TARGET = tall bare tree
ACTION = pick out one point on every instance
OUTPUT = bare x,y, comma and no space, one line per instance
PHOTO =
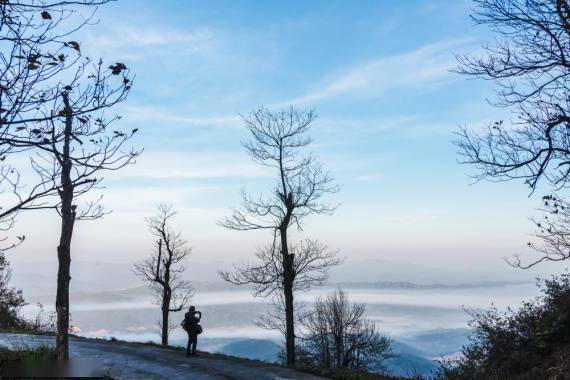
52,104
70,152
163,269
278,140
529,62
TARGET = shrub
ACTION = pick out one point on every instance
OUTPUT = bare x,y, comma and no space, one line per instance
531,343
43,323
11,299
26,353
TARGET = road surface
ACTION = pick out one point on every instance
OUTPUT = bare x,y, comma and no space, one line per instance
137,361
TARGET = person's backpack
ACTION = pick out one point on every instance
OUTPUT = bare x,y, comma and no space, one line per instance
186,324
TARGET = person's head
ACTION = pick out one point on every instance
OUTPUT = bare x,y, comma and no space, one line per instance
192,308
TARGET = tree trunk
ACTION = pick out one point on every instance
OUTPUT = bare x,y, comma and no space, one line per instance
64,248
288,278
165,313
63,278
289,320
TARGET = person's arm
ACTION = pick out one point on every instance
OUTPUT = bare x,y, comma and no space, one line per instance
199,315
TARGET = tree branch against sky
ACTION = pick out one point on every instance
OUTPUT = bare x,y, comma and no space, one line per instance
553,232
529,64
195,136
40,54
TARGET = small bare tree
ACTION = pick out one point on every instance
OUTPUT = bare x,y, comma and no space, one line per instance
163,269
337,335
277,141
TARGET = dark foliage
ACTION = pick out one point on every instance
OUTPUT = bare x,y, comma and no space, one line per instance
531,343
11,299
25,353
11,302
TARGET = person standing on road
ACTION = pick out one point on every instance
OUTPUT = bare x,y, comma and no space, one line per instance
192,327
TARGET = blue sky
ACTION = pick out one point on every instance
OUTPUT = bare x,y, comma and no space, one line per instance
378,75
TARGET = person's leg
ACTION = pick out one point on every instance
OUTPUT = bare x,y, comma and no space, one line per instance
188,345
194,343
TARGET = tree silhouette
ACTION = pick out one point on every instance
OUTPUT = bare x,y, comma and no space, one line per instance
529,63
163,269
338,335
311,263
39,51
52,102
277,140
553,231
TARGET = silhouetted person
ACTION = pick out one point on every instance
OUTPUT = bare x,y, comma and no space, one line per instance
191,320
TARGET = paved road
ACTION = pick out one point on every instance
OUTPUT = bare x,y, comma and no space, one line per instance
136,361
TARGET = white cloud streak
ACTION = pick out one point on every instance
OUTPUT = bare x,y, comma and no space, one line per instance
182,165
161,115
428,64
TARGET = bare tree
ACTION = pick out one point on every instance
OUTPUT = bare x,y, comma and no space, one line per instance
163,269
337,335
553,232
69,155
53,102
311,263
529,63
277,141
38,53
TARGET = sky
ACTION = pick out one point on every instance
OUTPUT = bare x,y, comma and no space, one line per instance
379,76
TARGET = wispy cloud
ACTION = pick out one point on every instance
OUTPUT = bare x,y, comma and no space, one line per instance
145,199
144,37
132,36
132,42
184,165
169,115
428,64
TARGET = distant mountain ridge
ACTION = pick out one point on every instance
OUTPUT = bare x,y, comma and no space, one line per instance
412,285
36,277
86,294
